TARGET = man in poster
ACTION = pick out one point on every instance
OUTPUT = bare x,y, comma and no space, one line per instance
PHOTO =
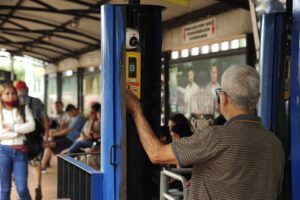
190,93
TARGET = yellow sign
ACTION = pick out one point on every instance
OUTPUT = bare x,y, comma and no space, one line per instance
184,3
133,72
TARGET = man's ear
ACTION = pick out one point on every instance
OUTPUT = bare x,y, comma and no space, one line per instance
225,99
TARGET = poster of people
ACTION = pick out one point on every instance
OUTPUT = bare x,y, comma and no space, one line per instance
192,86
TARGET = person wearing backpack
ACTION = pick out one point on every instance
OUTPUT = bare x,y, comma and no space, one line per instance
14,124
42,130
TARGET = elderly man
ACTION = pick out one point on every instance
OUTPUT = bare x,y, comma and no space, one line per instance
240,160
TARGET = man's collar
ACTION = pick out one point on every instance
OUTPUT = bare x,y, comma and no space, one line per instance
244,117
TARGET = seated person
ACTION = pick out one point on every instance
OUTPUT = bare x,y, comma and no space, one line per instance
90,131
64,138
61,120
93,159
179,127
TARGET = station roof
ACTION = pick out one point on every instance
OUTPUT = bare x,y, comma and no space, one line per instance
51,30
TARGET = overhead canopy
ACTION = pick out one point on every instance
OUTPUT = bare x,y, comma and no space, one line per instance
54,29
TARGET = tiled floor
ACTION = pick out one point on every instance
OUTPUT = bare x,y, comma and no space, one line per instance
49,183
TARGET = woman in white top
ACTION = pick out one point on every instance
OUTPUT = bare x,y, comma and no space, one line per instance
15,122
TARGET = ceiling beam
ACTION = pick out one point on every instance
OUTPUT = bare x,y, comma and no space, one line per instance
90,5
32,46
46,33
34,55
61,28
16,24
197,14
45,57
80,52
45,5
11,12
41,41
73,12
238,3
28,45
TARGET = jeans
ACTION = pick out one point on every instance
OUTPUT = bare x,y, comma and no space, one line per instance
13,162
75,148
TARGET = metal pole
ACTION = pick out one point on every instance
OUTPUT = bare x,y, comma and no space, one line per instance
254,27
12,71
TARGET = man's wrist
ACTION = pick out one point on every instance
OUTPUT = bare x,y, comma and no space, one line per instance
55,133
138,113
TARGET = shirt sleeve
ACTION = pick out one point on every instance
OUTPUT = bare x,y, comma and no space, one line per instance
42,110
77,123
198,148
28,126
4,135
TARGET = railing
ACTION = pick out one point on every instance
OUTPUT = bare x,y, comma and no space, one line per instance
77,181
84,157
164,183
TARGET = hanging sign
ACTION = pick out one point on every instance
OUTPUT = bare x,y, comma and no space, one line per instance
201,30
183,3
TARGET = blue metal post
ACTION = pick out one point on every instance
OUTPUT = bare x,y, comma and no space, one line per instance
295,101
266,67
271,63
112,41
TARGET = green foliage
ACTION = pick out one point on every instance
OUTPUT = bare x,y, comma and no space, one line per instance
19,69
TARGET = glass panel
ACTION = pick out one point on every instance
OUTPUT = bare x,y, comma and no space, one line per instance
92,87
38,88
70,90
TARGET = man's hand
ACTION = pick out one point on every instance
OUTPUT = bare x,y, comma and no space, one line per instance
52,133
157,152
132,103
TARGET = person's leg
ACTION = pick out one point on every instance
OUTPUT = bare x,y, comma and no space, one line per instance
36,168
46,157
20,170
38,175
80,144
5,172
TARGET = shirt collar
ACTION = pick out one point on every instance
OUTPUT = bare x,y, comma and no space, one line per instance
244,117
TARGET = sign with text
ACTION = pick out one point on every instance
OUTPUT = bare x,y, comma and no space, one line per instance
204,29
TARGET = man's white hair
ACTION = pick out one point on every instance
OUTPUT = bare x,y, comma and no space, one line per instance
241,83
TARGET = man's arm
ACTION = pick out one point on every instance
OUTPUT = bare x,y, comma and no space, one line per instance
157,152
62,132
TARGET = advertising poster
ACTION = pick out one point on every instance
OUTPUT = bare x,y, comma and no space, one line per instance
192,87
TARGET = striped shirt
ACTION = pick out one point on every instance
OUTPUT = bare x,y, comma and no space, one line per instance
38,110
241,160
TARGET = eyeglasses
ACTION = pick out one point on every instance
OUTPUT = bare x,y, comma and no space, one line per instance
218,93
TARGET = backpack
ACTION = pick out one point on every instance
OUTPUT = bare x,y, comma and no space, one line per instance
34,139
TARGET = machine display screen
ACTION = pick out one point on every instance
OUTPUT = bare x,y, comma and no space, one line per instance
132,67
